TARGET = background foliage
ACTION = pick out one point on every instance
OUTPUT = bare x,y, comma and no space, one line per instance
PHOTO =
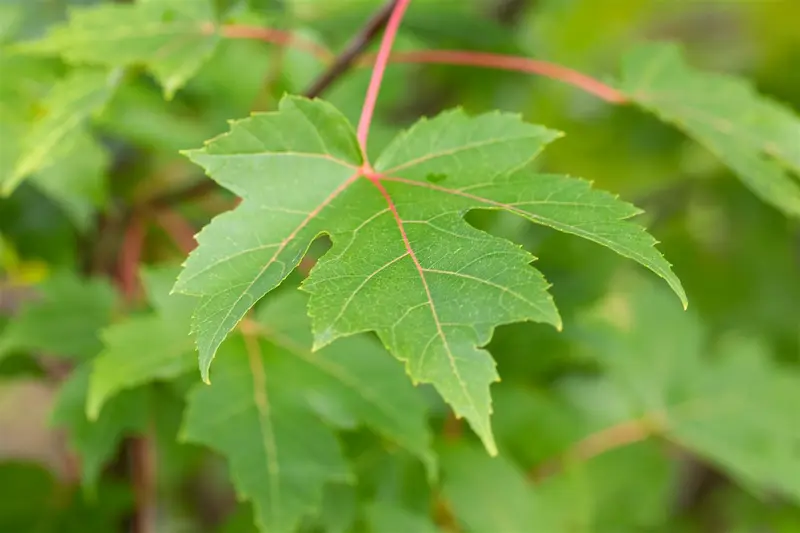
638,416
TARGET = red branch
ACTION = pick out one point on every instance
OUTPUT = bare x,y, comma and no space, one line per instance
378,69
143,467
513,63
178,229
271,35
446,57
129,256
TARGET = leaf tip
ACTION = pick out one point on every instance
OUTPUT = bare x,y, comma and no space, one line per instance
204,373
93,408
322,339
491,447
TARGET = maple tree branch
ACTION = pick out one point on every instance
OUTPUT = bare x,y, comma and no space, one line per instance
600,442
342,62
512,63
178,229
379,67
178,196
143,472
129,257
273,36
352,50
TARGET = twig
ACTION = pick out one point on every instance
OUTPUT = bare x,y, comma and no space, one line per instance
512,63
129,257
353,49
451,57
178,196
379,67
178,229
271,35
453,427
143,468
610,438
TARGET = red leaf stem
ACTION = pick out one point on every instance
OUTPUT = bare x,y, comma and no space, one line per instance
271,35
513,63
379,67
129,256
178,229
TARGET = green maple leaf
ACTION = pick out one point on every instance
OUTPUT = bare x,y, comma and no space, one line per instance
172,39
63,320
274,404
154,346
492,494
76,179
389,517
757,138
64,112
97,440
734,407
404,263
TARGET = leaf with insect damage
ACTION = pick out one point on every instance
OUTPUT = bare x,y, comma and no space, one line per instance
404,262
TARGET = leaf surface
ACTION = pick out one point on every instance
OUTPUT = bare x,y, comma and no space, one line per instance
733,405
490,494
388,517
758,138
65,110
281,454
404,263
97,440
274,403
144,348
76,179
172,39
63,320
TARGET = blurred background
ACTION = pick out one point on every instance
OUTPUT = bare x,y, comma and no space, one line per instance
738,258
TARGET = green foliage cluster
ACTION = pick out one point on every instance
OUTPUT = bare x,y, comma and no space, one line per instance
419,320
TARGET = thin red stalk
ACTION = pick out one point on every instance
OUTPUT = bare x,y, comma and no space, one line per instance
378,69
178,229
610,438
514,63
449,57
143,468
129,257
271,35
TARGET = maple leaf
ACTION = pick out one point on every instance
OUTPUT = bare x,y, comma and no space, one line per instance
66,108
76,179
64,320
388,517
734,407
274,403
97,440
756,137
404,263
144,348
172,39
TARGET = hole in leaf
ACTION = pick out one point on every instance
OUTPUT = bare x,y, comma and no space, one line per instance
436,178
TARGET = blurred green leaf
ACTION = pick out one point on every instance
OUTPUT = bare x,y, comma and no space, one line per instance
755,136
172,39
386,517
96,440
64,319
732,405
64,111
154,346
282,399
